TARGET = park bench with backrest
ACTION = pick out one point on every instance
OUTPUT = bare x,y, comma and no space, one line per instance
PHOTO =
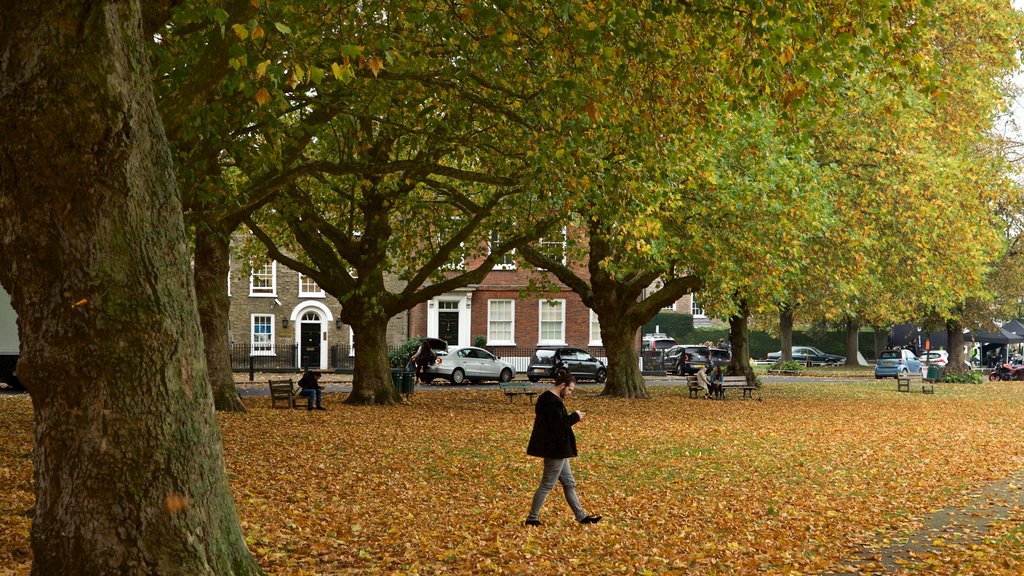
739,382
906,380
284,390
511,390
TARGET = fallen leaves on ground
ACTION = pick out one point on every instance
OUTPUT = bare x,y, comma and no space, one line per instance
794,484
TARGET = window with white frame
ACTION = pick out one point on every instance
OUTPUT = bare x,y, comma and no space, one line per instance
695,308
552,322
671,306
595,330
263,280
262,335
553,246
506,261
308,288
501,327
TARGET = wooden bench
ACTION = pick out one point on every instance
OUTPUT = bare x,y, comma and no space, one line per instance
727,382
511,390
905,381
739,382
692,386
284,390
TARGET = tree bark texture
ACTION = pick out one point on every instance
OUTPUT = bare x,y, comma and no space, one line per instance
739,339
128,464
881,340
624,377
211,271
955,342
371,374
852,342
786,332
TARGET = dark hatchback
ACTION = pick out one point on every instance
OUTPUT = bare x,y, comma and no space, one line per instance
687,359
580,364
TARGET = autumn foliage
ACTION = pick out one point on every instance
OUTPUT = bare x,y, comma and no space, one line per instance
795,484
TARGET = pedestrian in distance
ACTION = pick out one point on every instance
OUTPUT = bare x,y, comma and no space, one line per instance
553,440
423,358
702,381
717,380
311,388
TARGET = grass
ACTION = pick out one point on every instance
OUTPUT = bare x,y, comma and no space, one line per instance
793,484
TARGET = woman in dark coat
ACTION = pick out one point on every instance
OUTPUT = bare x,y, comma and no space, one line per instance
553,440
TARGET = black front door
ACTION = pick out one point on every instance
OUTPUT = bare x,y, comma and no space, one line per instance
448,326
309,344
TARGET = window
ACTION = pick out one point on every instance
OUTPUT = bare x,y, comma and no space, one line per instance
695,308
595,330
308,288
501,327
554,245
552,322
506,261
262,334
263,281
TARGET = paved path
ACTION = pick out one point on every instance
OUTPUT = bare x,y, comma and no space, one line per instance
957,527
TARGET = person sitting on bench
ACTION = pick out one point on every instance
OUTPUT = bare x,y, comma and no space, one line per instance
310,384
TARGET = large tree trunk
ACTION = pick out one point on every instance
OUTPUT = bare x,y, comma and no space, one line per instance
739,340
955,342
881,340
786,332
624,377
128,464
371,377
211,272
852,342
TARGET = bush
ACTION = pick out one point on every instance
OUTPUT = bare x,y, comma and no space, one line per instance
787,366
971,377
480,341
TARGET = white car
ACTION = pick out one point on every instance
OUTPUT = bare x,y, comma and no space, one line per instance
937,357
469,363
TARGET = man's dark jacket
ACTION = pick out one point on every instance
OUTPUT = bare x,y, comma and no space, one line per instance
552,429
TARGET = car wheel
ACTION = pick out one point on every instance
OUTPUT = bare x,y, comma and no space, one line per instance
600,376
505,376
458,376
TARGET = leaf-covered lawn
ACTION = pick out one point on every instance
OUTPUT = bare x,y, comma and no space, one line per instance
794,484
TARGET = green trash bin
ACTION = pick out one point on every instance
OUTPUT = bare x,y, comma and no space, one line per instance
407,383
396,379
934,372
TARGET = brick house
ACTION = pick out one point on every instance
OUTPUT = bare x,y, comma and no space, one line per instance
285,320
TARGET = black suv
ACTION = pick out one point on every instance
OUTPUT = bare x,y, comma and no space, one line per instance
580,364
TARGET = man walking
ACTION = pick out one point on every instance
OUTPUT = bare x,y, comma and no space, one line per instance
553,440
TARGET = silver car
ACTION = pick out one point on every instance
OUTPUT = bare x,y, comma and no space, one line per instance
470,363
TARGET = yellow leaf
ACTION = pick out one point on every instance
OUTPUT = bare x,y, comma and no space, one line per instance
240,31
262,96
375,65
261,68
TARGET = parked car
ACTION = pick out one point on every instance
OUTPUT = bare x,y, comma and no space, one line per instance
937,357
720,357
470,363
657,341
893,363
580,364
803,353
692,358
670,358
